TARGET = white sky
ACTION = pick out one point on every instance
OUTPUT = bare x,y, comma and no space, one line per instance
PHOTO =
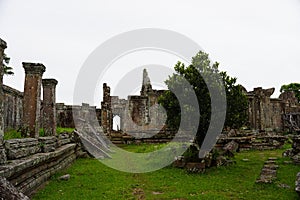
257,41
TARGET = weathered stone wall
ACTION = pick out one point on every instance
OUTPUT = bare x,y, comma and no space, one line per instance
266,113
252,141
13,108
2,152
139,115
65,118
32,161
146,136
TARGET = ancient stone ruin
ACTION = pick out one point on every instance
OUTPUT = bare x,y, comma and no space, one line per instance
2,151
273,114
32,98
27,163
140,116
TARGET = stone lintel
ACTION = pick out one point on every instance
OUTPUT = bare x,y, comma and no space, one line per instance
49,82
3,44
34,68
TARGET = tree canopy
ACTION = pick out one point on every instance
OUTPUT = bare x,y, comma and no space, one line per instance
295,87
236,115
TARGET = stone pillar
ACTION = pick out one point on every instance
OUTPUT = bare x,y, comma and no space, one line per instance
49,108
2,151
106,111
32,98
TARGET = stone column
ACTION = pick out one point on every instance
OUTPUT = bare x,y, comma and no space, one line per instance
2,151
49,106
32,98
106,111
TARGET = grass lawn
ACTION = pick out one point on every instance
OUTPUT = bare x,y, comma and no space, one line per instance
90,179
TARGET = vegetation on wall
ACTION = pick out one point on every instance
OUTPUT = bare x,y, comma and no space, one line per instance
295,87
7,70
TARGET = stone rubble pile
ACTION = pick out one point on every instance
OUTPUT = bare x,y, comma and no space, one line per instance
294,152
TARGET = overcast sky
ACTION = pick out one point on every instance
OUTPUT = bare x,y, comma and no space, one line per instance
257,41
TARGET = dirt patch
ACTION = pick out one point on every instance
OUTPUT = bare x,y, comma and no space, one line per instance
139,193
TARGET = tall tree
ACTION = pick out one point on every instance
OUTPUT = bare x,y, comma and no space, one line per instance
236,100
295,87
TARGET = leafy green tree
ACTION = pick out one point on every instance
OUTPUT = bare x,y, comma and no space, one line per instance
236,100
7,70
295,87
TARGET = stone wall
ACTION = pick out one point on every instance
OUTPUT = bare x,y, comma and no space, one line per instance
2,152
32,161
252,141
268,114
139,114
13,108
65,118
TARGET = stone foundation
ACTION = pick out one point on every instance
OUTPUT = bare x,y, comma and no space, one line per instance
29,173
252,141
19,148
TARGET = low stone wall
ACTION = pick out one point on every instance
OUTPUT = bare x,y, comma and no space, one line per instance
29,173
118,137
32,161
48,144
13,108
253,142
19,148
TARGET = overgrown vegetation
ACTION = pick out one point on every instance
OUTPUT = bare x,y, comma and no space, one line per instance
295,87
7,70
90,179
199,75
14,134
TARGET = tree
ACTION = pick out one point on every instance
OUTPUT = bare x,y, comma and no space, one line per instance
295,87
7,70
236,100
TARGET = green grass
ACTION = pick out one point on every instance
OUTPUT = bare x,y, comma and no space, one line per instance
14,134
90,179
60,130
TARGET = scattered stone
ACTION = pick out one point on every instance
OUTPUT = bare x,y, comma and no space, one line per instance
282,185
232,146
288,162
195,167
232,133
65,177
8,191
288,153
221,160
268,172
157,193
297,183
296,158
245,159
139,193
